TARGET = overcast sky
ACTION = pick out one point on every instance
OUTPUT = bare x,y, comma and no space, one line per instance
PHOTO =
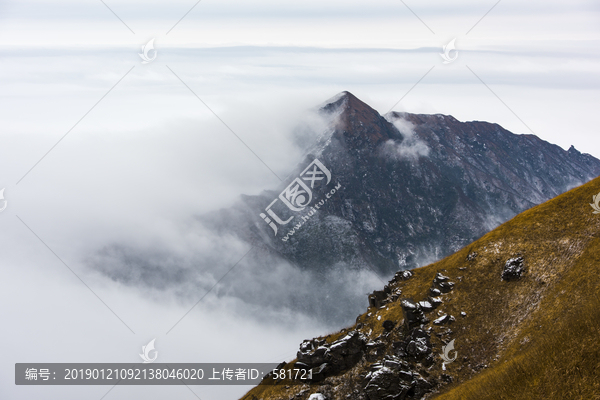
143,153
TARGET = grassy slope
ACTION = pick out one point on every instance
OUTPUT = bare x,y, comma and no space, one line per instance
536,338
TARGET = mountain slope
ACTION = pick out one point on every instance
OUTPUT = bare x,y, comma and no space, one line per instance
533,336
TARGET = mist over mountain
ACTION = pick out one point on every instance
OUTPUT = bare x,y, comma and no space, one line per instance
375,194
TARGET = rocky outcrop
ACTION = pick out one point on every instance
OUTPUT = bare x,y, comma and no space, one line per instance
395,365
513,269
442,283
380,298
413,314
393,379
328,359
415,346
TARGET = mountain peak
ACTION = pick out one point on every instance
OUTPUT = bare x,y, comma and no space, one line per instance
359,125
342,101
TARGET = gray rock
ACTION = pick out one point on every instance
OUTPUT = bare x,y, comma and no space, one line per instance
315,358
409,305
319,373
417,344
406,376
403,275
444,319
420,388
332,358
399,348
513,269
435,301
413,313
418,348
392,379
352,343
441,284
301,365
426,306
377,298
391,363
306,346
385,385
445,287
374,351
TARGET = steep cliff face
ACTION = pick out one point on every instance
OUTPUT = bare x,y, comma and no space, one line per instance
411,188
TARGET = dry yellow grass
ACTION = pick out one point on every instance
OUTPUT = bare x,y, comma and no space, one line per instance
535,338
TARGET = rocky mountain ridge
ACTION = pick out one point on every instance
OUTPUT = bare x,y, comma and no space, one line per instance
411,188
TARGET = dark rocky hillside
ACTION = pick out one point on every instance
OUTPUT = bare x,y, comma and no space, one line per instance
413,188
